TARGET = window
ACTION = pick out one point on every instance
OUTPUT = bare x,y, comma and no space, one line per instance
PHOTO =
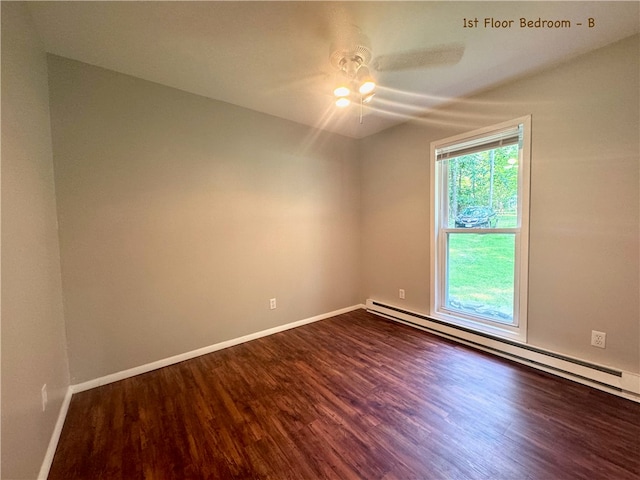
479,241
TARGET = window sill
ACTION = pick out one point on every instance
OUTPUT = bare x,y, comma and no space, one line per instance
495,329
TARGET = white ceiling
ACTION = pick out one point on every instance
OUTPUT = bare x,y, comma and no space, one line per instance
273,57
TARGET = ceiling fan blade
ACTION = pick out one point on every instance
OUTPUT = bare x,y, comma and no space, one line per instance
441,55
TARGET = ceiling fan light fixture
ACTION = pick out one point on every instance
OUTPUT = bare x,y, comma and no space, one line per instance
367,87
367,98
343,102
366,83
342,91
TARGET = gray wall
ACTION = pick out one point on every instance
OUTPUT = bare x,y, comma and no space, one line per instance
584,224
33,336
180,217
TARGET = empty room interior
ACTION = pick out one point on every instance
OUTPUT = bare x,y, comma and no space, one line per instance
299,240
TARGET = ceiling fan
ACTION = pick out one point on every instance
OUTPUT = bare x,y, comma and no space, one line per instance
352,58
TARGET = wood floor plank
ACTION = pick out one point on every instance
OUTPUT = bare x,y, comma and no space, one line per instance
351,397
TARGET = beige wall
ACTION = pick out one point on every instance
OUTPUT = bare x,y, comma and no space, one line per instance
33,338
180,217
584,229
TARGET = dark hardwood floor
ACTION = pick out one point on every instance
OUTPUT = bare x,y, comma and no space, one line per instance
351,397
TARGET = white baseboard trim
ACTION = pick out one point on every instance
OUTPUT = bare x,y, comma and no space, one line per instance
618,382
55,436
114,377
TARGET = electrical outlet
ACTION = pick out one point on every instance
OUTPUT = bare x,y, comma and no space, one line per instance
598,339
401,293
272,303
43,392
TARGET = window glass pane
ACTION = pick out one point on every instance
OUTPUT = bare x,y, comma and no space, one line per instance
480,279
482,189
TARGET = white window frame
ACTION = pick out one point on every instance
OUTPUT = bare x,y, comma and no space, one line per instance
518,330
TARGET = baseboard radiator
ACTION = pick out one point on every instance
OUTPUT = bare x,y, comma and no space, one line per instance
619,382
